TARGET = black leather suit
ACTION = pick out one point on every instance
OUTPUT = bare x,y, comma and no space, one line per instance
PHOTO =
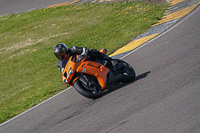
84,51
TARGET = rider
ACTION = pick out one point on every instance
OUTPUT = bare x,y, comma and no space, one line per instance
61,52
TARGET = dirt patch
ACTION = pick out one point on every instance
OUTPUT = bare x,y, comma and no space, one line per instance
28,43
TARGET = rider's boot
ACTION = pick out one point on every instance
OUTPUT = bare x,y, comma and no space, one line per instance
112,63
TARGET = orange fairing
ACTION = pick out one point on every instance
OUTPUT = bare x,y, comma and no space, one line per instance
65,74
95,69
87,67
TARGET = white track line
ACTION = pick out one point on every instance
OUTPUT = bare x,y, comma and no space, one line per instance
120,58
179,22
36,106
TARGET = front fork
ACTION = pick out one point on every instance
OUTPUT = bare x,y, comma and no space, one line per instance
84,79
89,85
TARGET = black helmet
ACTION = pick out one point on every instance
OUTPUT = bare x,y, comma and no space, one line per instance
60,51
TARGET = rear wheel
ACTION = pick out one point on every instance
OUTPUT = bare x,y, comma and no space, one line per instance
128,72
93,91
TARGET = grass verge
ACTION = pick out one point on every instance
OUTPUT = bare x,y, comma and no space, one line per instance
29,74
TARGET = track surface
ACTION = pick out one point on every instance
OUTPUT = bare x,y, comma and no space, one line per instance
17,6
165,97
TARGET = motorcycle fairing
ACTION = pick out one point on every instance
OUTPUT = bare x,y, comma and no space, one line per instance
88,67
95,69
69,65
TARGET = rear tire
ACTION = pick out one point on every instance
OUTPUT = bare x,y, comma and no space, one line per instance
128,72
82,89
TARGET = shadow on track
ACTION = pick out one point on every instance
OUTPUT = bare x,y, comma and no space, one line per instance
141,76
114,88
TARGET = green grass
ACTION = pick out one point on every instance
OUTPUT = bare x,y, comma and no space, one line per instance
29,73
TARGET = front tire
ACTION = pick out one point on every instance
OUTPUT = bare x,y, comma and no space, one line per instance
82,89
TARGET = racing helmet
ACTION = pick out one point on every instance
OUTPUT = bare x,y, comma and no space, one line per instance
60,51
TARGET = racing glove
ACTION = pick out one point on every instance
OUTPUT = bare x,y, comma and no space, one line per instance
83,54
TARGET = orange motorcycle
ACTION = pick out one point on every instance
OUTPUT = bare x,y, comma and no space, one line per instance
91,77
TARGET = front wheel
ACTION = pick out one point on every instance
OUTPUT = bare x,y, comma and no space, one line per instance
128,73
92,92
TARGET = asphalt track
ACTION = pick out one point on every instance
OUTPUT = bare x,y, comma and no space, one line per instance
18,6
165,97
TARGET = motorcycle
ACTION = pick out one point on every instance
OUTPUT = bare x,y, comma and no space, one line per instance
90,77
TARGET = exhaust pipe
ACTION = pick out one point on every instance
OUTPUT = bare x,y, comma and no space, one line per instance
111,78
